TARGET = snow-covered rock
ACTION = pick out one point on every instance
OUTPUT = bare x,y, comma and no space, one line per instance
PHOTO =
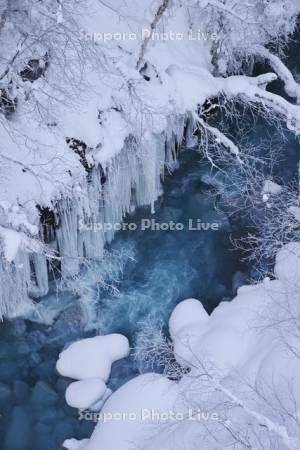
85,393
229,336
187,313
189,317
92,357
74,444
131,413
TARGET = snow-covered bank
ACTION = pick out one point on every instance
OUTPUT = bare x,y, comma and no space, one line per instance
88,123
242,386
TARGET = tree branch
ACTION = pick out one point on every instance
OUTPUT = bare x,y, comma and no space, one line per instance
159,13
292,88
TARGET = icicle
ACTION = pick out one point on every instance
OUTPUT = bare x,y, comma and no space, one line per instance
91,241
67,238
190,139
133,178
41,286
14,284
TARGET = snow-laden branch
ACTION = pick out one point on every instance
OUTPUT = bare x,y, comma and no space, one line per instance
226,9
250,89
292,88
14,56
280,431
220,138
159,13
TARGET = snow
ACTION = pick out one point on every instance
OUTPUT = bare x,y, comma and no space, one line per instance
135,401
11,240
270,187
92,357
74,444
295,211
231,339
188,318
93,91
85,393
210,337
187,313
287,266
292,88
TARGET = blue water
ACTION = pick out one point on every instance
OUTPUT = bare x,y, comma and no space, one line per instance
165,267
169,266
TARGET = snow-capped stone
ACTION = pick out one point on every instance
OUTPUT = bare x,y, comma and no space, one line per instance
186,322
92,357
270,187
128,414
84,393
187,313
74,444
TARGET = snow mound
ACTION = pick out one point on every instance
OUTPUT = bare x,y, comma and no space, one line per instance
226,337
84,394
187,320
135,401
287,267
92,357
74,444
229,338
186,314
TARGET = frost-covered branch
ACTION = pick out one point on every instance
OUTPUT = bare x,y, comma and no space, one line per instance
228,10
292,88
289,442
219,137
158,15
251,90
